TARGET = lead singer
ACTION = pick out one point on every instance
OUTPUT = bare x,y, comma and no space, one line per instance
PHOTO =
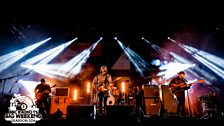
100,86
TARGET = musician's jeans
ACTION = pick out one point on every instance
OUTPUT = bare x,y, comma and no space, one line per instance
102,102
44,106
181,106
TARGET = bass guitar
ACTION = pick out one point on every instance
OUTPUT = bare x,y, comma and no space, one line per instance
182,86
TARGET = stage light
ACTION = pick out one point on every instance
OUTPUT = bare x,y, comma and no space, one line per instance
75,95
88,87
47,56
115,38
9,59
159,50
181,59
147,41
172,69
203,57
66,70
156,62
39,62
198,72
176,59
49,70
123,87
211,66
139,64
29,86
73,66
172,40
194,69
208,56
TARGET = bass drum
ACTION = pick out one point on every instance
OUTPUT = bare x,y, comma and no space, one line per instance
111,100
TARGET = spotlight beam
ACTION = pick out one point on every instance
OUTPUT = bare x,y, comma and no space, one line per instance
201,56
139,64
195,70
209,57
15,56
46,57
75,66
158,49
68,69
214,68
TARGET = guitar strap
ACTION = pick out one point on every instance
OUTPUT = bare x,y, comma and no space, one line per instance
105,81
97,82
98,85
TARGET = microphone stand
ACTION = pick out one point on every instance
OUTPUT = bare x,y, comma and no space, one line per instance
188,99
189,106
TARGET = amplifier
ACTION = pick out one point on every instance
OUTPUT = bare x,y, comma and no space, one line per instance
151,91
62,91
169,101
152,106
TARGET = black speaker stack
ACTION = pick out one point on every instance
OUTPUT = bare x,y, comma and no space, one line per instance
81,112
152,101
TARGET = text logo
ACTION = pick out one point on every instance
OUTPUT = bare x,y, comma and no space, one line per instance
22,110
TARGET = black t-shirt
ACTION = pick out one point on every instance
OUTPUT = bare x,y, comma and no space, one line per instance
40,88
178,81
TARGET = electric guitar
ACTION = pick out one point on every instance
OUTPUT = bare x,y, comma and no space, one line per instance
182,86
102,88
40,94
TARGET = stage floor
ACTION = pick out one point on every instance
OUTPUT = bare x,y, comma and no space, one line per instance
103,120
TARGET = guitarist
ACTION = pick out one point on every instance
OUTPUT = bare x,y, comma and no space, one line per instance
178,86
100,86
42,93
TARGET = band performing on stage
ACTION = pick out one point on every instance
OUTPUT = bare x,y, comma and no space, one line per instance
144,100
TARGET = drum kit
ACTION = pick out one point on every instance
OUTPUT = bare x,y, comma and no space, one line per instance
209,105
115,97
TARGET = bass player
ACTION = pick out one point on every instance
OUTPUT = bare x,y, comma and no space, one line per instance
178,86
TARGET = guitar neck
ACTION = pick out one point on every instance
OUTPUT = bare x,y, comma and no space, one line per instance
184,85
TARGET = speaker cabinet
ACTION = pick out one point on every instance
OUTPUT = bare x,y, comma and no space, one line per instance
169,101
119,112
152,106
81,112
59,104
151,91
